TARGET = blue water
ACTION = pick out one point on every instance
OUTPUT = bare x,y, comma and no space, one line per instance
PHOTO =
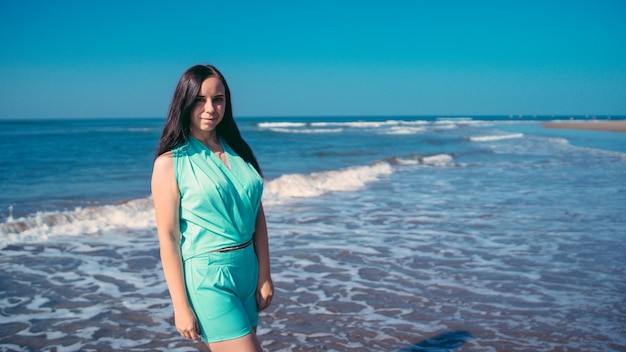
61,164
407,233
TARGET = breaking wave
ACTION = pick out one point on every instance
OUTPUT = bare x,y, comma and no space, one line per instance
89,221
496,137
138,214
317,183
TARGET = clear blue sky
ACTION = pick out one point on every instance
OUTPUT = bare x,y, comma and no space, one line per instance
316,58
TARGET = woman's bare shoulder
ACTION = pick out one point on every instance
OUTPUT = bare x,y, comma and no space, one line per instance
164,162
167,154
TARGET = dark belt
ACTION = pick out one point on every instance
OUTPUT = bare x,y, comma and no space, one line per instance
233,248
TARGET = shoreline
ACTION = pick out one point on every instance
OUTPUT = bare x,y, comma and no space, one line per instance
609,126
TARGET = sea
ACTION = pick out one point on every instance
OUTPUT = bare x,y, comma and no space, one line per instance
387,233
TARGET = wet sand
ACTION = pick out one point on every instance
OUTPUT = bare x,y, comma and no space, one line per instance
612,126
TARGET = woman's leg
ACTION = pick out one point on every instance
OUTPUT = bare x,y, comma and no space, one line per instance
248,343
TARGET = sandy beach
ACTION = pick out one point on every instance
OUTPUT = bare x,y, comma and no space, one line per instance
612,126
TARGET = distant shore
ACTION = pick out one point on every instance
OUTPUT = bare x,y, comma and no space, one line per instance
612,126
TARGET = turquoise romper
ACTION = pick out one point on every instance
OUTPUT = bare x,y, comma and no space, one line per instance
218,209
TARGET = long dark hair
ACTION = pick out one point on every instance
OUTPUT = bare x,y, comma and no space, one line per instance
177,125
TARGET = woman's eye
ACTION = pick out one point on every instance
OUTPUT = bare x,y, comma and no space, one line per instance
218,99
200,100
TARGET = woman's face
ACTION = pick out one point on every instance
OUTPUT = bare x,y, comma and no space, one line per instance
208,110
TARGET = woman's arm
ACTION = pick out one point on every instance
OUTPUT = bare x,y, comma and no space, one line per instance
166,207
265,287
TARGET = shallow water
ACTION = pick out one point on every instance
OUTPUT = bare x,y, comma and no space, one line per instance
457,235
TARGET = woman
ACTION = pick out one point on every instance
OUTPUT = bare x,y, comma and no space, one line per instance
206,187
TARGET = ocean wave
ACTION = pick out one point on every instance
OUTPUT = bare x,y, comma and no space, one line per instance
307,130
336,126
357,124
432,160
387,127
270,125
134,214
496,137
454,122
437,160
405,130
565,144
318,183
138,214
322,127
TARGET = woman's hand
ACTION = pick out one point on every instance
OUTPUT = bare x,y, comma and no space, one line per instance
187,324
264,292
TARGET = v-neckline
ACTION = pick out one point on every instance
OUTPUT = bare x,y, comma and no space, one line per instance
225,163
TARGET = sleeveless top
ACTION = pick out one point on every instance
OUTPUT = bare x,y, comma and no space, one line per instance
218,205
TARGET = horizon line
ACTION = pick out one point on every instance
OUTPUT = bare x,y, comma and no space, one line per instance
430,116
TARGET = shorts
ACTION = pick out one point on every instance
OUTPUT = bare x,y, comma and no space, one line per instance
221,288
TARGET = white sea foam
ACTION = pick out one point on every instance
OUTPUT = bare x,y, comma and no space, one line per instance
565,144
280,124
334,125
434,160
405,130
318,183
455,122
437,160
413,122
135,214
357,124
389,127
306,130
139,214
496,137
